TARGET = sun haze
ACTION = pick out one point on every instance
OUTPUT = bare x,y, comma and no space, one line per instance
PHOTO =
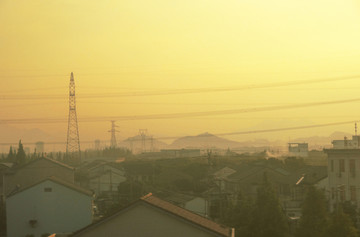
220,66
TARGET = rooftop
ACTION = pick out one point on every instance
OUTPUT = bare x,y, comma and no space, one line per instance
55,180
187,215
173,210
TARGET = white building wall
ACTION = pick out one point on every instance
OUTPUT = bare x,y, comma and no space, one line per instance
346,143
108,181
338,180
63,210
323,184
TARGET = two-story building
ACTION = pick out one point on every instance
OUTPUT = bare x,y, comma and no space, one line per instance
18,177
49,206
344,171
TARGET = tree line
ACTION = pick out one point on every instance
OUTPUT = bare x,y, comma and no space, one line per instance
264,216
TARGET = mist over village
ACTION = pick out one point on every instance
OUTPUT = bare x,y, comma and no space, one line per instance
179,118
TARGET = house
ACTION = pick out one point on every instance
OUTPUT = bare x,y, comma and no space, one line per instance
306,176
220,175
151,216
198,205
105,178
248,178
35,171
298,149
140,172
344,170
300,180
218,197
4,167
48,206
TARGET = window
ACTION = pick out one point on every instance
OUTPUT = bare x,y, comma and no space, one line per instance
332,165
333,193
352,167
353,193
341,165
47,190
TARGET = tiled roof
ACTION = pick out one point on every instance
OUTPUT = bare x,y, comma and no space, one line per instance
172,209
311,174
56,180
48,159
255,172
179,198
187,215
7,165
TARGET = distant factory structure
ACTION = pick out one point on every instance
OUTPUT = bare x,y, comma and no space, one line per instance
39,147
298,149
354,143
179,153
97,144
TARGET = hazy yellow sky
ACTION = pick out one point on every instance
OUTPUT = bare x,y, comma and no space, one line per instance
139,45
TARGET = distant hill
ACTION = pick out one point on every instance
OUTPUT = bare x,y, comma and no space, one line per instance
12,134
204,140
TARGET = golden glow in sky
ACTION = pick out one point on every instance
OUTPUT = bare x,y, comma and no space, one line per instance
129,46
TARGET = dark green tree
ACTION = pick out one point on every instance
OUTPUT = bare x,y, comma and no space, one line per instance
11,155
351,210
2,218
20,155
239,216
340,225
314,214
268,218
293,163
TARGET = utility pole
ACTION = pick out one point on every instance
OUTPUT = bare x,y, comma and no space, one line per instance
131,144
73,141
152,143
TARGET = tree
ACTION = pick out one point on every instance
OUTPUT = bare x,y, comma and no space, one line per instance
239,216
20,156
268,216
293,163
341,225
351,210
314,214
11,155
2,218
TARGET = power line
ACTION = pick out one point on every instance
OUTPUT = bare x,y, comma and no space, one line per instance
179,115
221,134
267,130
181,91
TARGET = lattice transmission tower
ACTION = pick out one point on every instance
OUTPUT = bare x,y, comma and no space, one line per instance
113,130
73,141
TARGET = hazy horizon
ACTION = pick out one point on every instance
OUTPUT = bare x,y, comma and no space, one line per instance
179,68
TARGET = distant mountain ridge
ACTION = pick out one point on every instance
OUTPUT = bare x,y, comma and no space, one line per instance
208,140
13,134
204,140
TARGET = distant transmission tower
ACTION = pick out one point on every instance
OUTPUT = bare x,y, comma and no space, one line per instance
73,141
113,130
142,133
